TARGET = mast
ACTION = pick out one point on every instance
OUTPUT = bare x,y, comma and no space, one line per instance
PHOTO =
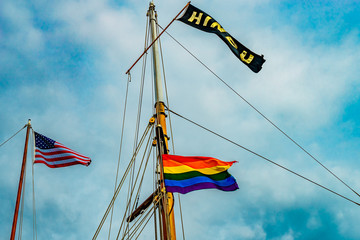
16,212
166,205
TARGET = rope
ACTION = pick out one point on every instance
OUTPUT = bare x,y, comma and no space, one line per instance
158,163
155,224
34,206
163,207
22,206
120,149
33,189
136,227
154,158
171,132
181,217
250,151
143,175
261,114
157,38
144,225
155,181
139,222
13,136
133,187
141,95
121,183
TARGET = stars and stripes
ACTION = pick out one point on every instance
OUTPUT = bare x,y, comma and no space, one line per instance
54,154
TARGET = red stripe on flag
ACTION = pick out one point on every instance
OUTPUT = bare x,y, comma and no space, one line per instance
58,154
37,156
61,164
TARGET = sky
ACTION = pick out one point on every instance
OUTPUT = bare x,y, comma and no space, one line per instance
63,64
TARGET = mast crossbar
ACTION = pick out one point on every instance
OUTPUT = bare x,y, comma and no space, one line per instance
145,51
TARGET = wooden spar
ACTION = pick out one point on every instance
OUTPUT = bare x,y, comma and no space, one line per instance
16,212
166,204
139,210
145,51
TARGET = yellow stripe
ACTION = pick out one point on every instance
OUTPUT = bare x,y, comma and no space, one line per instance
184,168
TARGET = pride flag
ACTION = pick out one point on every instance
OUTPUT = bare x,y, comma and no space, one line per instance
187,174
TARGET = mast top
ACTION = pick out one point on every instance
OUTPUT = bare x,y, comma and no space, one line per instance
159,95
152,5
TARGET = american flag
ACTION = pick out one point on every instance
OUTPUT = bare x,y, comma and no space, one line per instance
55,154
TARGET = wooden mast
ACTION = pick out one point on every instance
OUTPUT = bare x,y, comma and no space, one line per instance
167,211
16,212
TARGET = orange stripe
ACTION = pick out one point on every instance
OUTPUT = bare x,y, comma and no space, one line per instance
193,162
185,169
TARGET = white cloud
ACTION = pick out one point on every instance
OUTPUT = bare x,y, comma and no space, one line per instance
303,87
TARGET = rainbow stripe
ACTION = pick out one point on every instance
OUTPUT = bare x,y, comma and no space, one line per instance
187,174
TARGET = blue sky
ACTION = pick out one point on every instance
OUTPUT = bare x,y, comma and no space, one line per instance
63,65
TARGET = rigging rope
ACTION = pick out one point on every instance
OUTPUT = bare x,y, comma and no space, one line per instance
141,95
121,182
144,171
33,187
171,132
261,114
128,208
267,159
152,209
13,135
132,231
34,206
140,221
147,35
155,181
164,206
144,225
22,206
157,38
164,221
120,149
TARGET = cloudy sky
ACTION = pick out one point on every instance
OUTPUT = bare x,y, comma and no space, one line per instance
63,64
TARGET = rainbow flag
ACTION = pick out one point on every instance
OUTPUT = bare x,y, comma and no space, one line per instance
187,174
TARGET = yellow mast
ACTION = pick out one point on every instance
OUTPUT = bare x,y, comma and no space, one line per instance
167,211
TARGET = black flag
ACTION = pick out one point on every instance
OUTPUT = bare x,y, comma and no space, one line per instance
201,20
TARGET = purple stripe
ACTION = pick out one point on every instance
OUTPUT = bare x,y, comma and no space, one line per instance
200,186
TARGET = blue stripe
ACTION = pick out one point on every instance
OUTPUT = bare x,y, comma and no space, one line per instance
201,179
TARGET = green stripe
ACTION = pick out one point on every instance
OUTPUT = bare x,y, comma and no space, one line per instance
181,176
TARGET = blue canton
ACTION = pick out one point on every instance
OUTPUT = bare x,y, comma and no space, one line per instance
43,142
